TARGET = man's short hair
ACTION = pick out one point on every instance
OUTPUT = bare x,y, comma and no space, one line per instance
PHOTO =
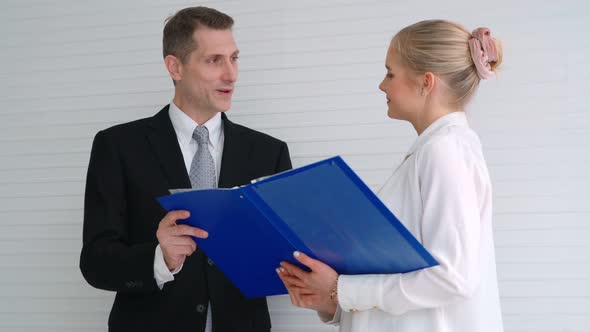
178,31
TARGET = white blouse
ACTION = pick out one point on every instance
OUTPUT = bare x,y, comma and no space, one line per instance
442,193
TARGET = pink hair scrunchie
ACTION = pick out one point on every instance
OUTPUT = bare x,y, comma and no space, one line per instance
483,51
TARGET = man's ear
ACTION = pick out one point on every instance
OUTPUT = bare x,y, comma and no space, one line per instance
174,67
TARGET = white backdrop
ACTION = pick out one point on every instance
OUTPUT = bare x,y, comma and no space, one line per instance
309,72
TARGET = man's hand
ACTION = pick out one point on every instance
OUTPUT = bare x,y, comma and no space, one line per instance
175,240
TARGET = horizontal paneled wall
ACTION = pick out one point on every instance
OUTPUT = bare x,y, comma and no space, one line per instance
309,73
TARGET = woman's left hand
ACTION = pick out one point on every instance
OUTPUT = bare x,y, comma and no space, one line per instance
310,289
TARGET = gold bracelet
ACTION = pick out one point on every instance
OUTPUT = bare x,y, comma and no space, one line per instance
334,292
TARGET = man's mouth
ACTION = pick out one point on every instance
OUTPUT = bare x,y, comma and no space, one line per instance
225,92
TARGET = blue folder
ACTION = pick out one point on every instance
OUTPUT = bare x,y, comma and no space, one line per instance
323,209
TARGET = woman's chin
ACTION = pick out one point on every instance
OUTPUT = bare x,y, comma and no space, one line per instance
391,114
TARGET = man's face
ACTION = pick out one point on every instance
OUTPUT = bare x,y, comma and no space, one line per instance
210,71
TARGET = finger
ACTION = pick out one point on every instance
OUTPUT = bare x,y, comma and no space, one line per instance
294,299
283,271
289,280
285,283
306,260
293,282
178,251
172,216
294,270
181,241
301,291
186,230
294,293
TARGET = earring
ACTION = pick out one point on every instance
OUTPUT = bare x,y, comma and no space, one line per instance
422,92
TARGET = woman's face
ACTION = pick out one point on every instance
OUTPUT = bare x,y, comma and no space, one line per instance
401,89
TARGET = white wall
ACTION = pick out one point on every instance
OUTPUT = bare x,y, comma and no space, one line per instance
309,75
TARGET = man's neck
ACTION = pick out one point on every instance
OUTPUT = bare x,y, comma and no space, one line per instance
196,114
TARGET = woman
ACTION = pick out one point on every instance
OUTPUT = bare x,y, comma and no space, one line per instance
441,192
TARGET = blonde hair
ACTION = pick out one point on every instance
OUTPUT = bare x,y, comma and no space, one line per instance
442,48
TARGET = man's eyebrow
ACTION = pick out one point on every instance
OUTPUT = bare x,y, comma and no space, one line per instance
236,52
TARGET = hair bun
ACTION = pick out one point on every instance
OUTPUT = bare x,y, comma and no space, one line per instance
483,52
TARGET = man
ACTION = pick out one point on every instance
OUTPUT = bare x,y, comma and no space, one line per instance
131,245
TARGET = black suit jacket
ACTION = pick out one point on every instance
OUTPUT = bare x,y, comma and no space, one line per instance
132,164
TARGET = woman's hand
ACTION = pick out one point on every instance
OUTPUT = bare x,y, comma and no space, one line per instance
310,289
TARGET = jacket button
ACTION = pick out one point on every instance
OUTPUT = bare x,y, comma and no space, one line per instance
134,284
209,261
201,308
131,284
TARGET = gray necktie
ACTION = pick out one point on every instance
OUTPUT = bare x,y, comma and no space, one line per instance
202,173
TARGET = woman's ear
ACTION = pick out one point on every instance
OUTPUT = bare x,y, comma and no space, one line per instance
427,84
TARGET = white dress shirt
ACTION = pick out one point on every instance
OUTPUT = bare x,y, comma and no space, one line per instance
184,127
442,193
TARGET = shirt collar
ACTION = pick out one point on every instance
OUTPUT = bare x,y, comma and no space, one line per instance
452,119
184,126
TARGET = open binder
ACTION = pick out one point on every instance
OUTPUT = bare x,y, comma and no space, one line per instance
323,209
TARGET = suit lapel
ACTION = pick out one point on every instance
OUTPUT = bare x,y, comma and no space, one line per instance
236,149
162,138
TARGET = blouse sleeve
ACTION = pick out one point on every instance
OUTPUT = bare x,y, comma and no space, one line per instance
450,231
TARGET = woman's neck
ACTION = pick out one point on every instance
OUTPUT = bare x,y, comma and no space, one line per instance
429,115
